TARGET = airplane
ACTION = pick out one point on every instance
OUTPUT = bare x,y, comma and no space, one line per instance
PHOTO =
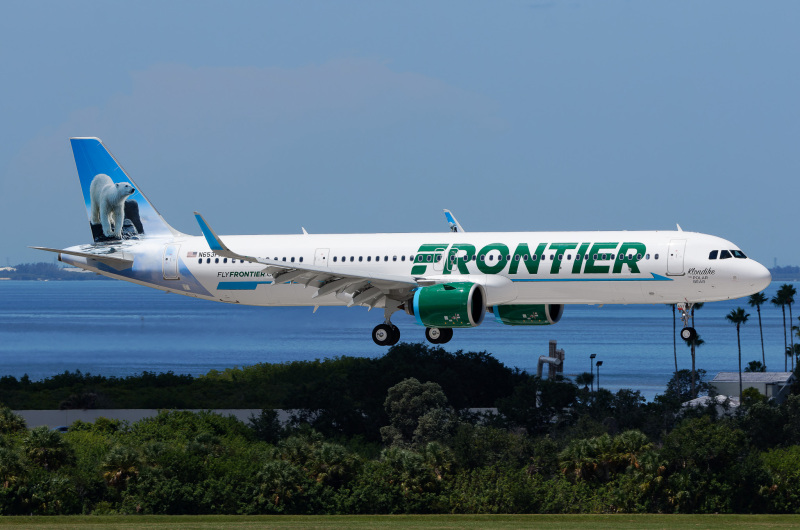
443,280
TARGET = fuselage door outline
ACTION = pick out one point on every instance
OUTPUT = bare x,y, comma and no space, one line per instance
677,251
170,262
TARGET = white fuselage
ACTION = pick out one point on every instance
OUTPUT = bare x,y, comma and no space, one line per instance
514,267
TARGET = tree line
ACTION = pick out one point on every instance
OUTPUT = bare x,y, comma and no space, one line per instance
407,444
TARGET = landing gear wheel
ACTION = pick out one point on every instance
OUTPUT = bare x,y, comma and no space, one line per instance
438,335
688,334
383,334
395,335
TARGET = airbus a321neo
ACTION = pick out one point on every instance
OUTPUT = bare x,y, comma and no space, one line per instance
443,280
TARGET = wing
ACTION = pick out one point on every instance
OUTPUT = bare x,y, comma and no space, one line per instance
363,287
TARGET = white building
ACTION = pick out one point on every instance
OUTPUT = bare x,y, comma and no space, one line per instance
774,385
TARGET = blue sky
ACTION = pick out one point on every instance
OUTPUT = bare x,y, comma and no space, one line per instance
373,116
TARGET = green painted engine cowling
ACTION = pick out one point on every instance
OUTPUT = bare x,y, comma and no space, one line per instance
528,315
449,305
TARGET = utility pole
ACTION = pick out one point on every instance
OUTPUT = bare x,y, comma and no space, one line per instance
591,368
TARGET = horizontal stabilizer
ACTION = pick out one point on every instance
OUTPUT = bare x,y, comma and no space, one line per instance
117,261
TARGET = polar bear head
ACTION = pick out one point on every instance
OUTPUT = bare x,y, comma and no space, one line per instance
124,189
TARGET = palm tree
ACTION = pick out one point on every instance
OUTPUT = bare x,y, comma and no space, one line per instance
789,293
780,300
694,344
584,379
696,305
756,300
755,366
674,337
738,317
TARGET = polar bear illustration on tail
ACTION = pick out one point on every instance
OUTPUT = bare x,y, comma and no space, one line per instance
108,203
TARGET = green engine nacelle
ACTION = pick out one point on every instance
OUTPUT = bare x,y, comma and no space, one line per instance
448,305
528,315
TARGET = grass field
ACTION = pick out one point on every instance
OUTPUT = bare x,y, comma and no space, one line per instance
414,521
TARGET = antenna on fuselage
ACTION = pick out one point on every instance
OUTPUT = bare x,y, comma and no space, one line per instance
679,227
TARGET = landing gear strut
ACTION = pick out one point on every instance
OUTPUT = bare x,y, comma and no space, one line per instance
386,334
687,333
438,335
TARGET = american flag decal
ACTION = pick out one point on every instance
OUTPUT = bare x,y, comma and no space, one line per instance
191,254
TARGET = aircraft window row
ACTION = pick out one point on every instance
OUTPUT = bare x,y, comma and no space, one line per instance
578,257
225,260
483,257
726,254
216,260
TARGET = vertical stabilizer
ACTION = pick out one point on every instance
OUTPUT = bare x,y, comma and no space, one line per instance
117,208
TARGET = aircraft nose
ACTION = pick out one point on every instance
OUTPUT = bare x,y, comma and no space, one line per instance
759,276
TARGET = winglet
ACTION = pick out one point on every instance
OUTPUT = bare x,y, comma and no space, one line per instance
454,224
211,237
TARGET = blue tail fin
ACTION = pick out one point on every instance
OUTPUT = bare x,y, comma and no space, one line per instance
117,208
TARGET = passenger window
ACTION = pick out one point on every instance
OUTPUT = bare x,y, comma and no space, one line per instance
724,254
352,258
483,258
200,260
293,259
334,259
516,257
438,258
369,258
569,257
577,257
595,257
491,257
224,260
361,258
713,254
647,256
656,256
216,260
402,258
560,257
386,258
394,258
638,256
283,258
525,257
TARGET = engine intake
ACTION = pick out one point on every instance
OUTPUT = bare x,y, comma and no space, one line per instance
448,305
528,315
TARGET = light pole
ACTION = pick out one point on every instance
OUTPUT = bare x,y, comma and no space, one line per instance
599,364
591,368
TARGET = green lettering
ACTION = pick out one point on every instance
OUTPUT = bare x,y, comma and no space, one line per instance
484,266
560,248
521,252
425,251
580,258
596,249
459,261
622,256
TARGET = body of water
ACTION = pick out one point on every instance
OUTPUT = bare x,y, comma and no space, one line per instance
117,328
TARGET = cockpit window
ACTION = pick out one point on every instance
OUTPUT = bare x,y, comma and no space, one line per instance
713,254
724,254
738,254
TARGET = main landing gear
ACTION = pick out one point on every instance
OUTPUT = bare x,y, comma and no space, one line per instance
687,333
386,334
438,335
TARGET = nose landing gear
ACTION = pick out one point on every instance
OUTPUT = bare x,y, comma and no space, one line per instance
688,333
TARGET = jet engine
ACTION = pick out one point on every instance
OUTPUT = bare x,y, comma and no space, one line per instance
528,315
448,305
